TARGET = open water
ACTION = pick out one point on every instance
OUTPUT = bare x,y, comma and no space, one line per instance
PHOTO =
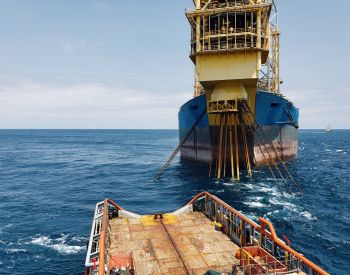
50,181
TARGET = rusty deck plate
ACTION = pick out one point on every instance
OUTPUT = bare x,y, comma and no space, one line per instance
154,251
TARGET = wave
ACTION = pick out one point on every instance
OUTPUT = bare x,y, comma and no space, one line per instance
79,239
5,227
272,212
287,205
252,216
15,250
255,204
59,244
292,207
271,191
308,216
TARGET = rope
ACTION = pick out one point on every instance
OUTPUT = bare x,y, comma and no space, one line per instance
267,161
174,245
177,149
245,105
212,139
270,160
247,110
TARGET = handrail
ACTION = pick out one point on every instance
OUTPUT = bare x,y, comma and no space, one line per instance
288,248
102,243
241,216
117,206
272,234
217,10
96,219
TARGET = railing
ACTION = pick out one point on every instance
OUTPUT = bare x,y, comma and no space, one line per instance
236,226
222,106
224,45
92,255
217,4
245,232
232,31
96,261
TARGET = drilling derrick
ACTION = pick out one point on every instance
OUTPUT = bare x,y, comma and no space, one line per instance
229,44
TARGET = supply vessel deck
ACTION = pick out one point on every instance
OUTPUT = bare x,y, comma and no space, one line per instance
207,236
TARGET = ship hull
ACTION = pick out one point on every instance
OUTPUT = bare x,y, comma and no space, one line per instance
276,115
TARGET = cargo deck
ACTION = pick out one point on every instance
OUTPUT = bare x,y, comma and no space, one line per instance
205,235
181,244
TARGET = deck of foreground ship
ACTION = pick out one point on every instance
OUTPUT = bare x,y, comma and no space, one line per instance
180,244
205,235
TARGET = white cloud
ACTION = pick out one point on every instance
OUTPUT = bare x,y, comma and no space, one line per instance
71,46
320,107
25,103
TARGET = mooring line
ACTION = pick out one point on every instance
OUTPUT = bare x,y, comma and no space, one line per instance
177,149
247,112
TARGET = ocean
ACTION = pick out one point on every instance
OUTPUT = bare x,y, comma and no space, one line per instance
50,181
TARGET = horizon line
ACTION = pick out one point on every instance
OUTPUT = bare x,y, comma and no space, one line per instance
104,129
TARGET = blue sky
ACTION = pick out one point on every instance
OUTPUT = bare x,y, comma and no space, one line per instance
124,64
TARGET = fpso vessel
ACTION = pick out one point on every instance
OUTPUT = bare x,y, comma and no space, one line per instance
235,49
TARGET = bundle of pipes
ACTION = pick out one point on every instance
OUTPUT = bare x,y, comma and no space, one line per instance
234,131
265,146
230,143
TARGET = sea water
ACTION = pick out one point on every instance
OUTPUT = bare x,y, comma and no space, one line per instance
50,181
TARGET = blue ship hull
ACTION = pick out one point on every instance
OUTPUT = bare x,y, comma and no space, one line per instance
275,114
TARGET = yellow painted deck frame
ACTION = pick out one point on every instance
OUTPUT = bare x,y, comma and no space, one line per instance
230,41
227,66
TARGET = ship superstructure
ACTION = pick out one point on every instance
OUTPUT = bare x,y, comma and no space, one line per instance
229,42
241,117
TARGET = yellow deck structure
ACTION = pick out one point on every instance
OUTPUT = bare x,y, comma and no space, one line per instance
206,234
229,43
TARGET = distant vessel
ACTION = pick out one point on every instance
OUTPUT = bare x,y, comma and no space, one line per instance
238,116
328,129
206,236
